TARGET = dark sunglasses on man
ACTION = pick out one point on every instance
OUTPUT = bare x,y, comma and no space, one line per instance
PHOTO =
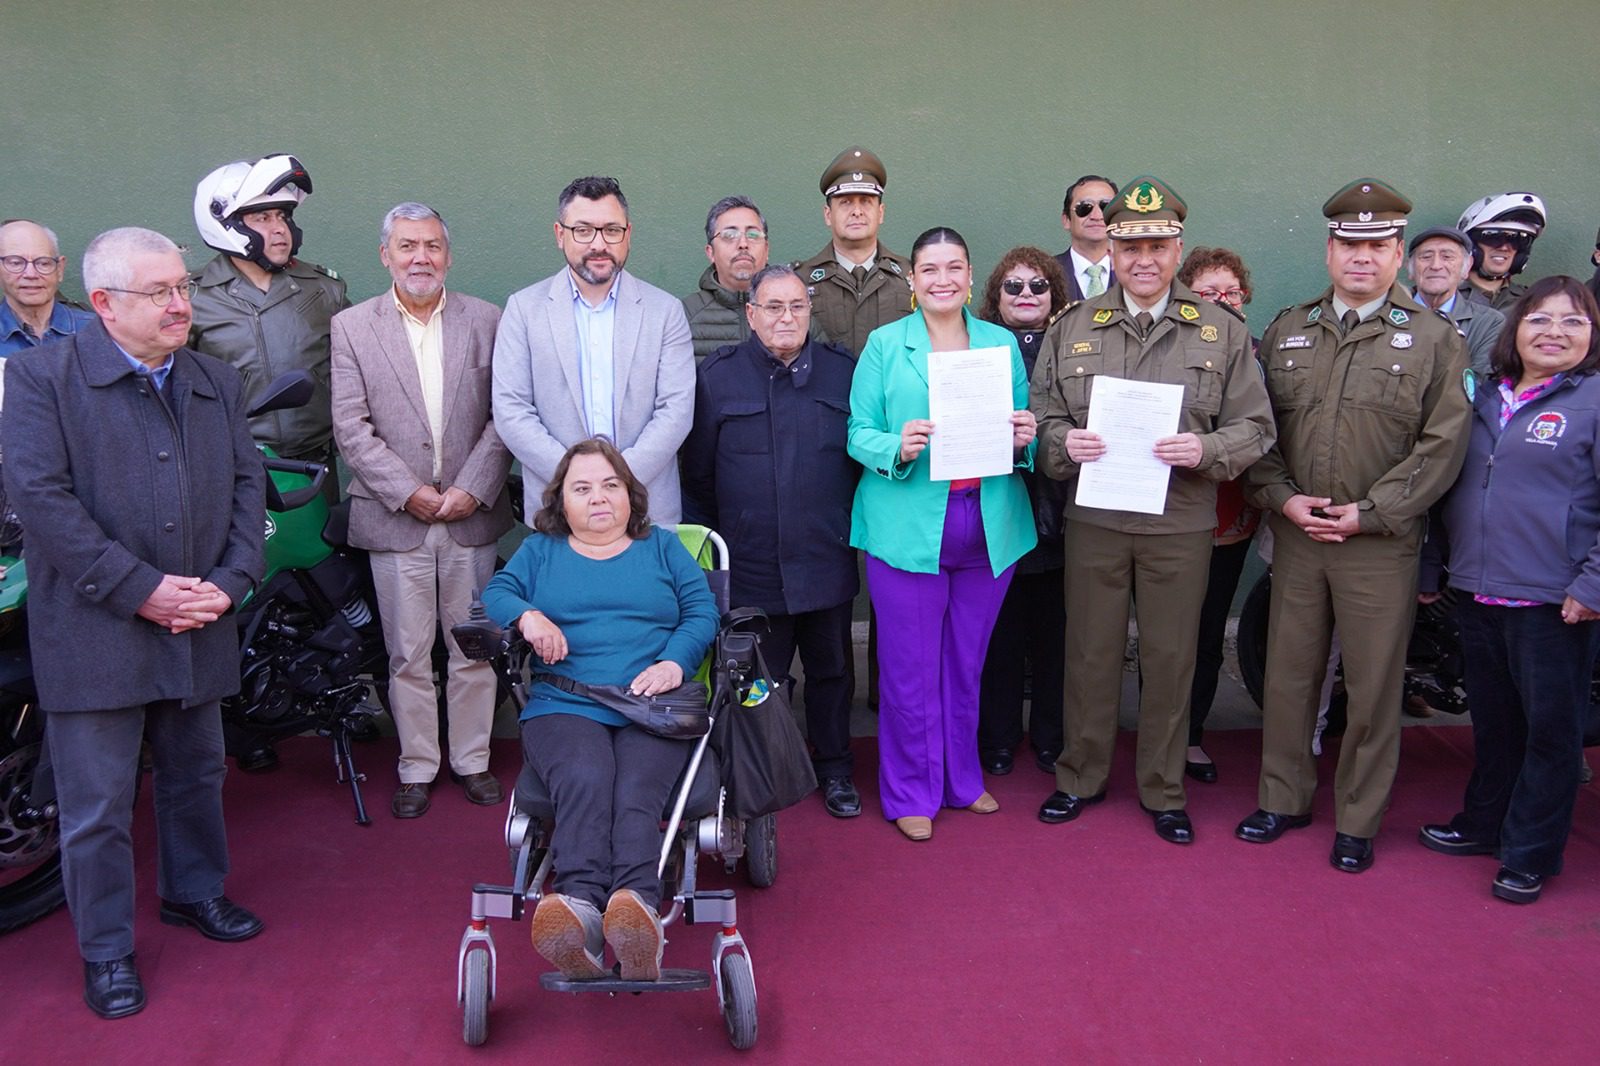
1085,208
1037,286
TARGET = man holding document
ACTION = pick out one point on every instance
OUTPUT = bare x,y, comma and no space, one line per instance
1147,397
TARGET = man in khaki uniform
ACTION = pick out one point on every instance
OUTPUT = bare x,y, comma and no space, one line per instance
1146,327
1367,387
856,284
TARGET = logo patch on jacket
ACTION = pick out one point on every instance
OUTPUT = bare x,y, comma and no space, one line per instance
1547,428
1208,333
1398,317
818,274
1102,316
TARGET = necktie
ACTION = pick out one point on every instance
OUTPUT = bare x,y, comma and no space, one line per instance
859,274
1144,322
1349,321
1097,285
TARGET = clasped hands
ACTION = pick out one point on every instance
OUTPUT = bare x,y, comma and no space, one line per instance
1322,519
550,644
1181,449
914,435
179,604
428,504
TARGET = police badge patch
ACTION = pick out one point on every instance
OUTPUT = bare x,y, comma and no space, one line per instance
1400,340
818,274
1398,317
1208,333
1102,316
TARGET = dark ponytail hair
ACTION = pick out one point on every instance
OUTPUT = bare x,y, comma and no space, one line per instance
939,235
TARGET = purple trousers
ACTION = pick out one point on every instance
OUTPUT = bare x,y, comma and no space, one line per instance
933,635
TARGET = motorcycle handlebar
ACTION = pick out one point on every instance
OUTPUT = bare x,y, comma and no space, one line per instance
292,466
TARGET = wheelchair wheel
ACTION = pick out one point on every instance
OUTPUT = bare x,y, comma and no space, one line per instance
761,850
475,995
739,1000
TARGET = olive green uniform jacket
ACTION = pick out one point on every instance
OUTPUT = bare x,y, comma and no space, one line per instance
717,316
1196,344
262,334
847,314
1378,419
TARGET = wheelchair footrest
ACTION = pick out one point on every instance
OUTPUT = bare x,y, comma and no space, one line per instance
671,981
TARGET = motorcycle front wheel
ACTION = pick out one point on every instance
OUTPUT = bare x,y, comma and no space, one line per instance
30,846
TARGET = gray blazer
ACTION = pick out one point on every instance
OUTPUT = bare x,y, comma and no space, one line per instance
538,389
380,422
113,493
1481,325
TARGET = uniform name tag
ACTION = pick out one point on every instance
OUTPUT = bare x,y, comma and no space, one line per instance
1295,342
1085,347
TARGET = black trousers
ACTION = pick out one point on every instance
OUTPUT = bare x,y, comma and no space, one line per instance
609,785
1031,630
1227,563
1527,680
823,641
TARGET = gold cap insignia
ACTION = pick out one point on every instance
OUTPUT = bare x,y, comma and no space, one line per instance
1143,198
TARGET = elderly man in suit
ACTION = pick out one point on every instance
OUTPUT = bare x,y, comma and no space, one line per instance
428,501
129,461
594,351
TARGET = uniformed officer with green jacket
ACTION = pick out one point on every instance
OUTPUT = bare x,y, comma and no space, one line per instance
1371,398
856,284
257,307
1150,328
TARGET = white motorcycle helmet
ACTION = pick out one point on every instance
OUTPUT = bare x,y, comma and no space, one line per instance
249,185
1520,215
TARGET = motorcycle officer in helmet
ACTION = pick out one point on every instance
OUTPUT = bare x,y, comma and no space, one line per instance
256,306
1503,227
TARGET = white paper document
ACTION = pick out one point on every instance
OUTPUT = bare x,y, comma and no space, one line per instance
1129,416
969,403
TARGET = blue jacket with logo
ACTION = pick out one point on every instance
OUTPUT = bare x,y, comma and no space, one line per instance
1523,520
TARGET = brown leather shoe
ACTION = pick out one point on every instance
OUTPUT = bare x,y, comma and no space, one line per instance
410,800
915,827
482,788
984,804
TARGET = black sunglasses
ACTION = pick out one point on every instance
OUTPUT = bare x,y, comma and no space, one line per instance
1037,286
1084,208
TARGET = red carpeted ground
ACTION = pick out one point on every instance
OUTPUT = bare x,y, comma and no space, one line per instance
1001,940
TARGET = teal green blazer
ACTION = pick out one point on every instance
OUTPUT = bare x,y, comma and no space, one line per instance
898,515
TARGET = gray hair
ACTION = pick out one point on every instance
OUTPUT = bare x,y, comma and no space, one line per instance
50,234
726,204
106,260
771,273
415,212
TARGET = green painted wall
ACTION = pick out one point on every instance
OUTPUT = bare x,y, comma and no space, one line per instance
1255,111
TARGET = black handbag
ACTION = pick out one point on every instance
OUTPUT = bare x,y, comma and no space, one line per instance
766,766
677,714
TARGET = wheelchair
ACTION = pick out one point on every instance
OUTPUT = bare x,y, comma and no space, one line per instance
696,824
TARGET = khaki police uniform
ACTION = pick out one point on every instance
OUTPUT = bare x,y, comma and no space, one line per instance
1377,417
1163,559
848,308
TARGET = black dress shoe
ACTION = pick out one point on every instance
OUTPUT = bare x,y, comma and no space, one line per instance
1046,760
1064,806
1263,827
839,795
218,919
998,762
112,989
1447,841
1204,772
257,760
1514,886
1350,854
1173,826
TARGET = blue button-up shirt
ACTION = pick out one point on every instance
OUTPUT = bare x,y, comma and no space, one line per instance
64,322
158,376
596,328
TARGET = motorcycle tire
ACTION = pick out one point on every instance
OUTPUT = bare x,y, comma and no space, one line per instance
1251,646
27,892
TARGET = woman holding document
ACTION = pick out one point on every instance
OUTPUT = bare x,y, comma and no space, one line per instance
942,520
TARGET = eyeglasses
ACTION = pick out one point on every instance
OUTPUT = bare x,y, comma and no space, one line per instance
44,264
798,308
730,235
163,296
1233,296
584,233
1014,286
1543,323
1085,208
